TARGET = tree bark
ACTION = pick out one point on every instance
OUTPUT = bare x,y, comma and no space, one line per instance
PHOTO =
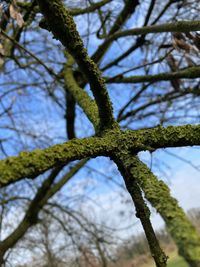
179,226
123,159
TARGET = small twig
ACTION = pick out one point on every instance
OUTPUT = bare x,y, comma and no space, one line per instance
49,70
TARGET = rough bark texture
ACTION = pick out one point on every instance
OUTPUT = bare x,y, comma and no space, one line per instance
31,164
179,226
62,25
125,164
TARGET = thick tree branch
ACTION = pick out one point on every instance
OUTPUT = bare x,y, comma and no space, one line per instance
171,136
188,73
181,229
61,24
126,166
31,164
179,26
82,98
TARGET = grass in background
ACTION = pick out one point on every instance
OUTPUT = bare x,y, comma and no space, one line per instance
174,261
177,262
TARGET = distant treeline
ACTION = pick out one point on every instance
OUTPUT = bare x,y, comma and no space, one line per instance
135,251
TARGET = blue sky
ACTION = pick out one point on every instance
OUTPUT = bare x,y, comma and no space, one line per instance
106,201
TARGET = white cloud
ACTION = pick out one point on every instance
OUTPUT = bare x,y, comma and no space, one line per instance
186,187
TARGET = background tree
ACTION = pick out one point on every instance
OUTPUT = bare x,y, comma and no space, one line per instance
138,59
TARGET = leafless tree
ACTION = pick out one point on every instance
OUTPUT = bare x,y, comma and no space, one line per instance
113,77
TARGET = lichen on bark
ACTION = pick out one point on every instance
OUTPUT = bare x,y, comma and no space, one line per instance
61,24
179,226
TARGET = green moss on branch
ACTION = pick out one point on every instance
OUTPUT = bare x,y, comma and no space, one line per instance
82,98
181,229
61,24
126,165
189,73
171,136
31,164
179,26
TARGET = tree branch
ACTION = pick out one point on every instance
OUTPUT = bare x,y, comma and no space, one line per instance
44,193
91,8
158,194
31,164
82,98
61,24
126,166
171,136
188,73
126,12
179,26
